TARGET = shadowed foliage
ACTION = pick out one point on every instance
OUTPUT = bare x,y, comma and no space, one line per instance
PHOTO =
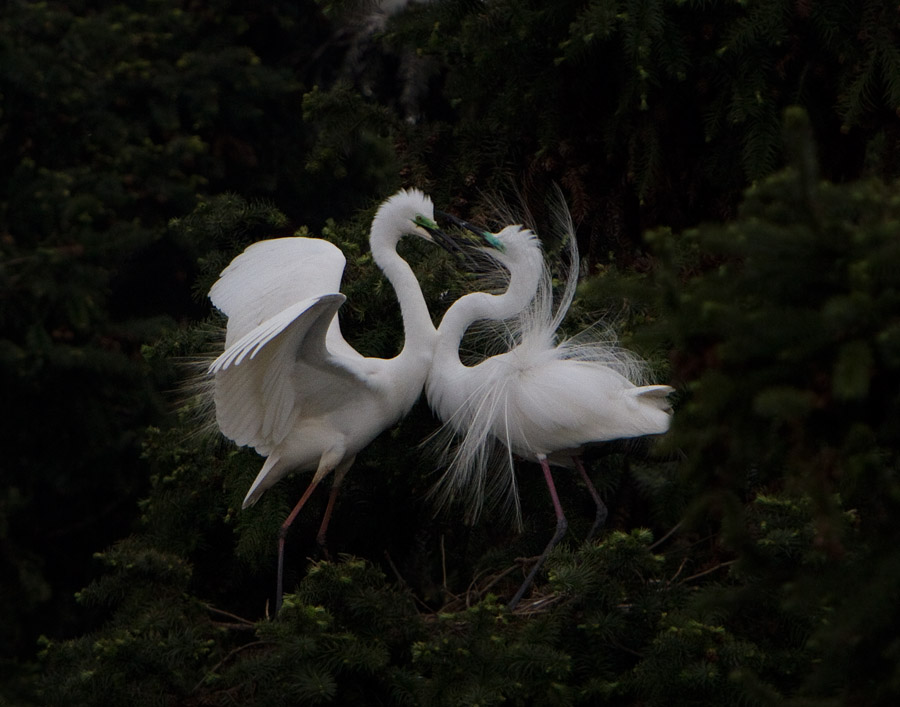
750,253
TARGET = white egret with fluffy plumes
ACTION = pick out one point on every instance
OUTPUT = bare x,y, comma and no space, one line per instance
541,400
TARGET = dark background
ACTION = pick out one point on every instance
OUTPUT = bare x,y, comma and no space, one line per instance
749,253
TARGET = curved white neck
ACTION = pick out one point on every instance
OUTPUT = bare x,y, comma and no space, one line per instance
481,305
418,329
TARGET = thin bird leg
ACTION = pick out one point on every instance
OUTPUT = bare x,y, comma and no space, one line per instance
602,511
339,473
282,533
323,528
561,526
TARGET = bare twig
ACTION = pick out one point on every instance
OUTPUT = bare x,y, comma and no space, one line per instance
233,626
443,562
708,571
697,542
496,578
473,589
537,606
618,645
675,528
680,567
222,612
403,582
390,561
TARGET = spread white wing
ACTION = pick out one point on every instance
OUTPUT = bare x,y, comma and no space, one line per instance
284,352
271,276
280,369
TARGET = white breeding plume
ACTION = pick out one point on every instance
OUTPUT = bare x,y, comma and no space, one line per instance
540,400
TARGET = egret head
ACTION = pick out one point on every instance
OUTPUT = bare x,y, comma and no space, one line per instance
517,250
513,246
408,212
521,242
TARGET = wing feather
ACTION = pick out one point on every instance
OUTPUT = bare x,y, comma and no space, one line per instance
264,378
270,276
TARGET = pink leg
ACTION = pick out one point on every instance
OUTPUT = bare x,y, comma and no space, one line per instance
561,526
602,511
339,473
323,528
282,533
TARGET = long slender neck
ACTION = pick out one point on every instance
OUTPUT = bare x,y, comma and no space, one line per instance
418,329
481,305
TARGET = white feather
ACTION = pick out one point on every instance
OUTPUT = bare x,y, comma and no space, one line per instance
539,397
288,384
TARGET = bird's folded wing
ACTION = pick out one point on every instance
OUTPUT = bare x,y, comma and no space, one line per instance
570,403
270,276
281,365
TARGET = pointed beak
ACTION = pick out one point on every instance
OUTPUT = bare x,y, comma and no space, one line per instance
484,235
437,235
444,241
480,232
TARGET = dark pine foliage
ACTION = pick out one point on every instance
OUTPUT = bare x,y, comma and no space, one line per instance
750,253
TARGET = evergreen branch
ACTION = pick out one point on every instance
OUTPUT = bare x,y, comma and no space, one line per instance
231,654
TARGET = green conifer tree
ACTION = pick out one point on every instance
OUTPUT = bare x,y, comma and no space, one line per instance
145,145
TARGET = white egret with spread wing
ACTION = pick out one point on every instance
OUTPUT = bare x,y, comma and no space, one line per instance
542,400
288,384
